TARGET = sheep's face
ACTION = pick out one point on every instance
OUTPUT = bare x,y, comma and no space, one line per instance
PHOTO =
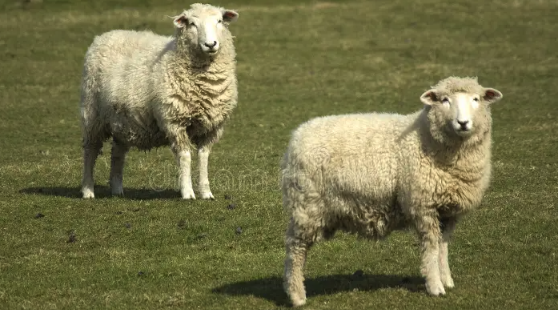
204,26
462,113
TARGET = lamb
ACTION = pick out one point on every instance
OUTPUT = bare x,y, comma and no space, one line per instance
145,91
371,174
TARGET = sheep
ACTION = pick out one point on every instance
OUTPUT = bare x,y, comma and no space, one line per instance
145,91
370,174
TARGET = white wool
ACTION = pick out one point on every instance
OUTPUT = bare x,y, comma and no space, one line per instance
371,174
145,90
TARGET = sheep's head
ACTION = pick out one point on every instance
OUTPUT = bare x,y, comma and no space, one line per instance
204,27
460,106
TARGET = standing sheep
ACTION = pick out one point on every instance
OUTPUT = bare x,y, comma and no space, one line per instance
374,173
148,91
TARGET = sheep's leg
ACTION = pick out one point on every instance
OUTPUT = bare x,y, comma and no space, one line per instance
118,156
93,134
203,157
184,159
293,277
181,148
448,225
428,228
90,153
204,145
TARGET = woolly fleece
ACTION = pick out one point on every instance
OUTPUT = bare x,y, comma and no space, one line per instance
147,90
374,173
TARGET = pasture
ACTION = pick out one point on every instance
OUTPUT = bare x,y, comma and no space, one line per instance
296,60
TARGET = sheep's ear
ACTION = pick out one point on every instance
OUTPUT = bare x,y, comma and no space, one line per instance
229,16
429,97
491,95
180,21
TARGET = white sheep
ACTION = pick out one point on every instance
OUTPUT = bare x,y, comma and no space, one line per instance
148,91
374,173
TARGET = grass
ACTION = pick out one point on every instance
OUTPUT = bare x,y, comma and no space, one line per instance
296,60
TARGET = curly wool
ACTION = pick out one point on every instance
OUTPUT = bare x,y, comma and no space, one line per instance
455,84
147,91
371,174
145,81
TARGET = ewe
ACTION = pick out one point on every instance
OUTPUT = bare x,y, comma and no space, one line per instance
147,91
374,173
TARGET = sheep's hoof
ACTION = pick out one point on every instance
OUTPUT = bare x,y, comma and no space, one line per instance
297,302
188,195
448,282
436,288
117,190
88,194
207,195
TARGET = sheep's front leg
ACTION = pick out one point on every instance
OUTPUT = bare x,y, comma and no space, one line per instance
184,159
204,145
203,157
181,148
447,225
428,228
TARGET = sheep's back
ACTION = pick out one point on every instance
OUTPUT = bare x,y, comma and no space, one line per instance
349,155
349,164
123,64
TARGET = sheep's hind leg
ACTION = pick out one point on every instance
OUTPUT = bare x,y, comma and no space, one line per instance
90,153
447,225
428,228
293,278
118,156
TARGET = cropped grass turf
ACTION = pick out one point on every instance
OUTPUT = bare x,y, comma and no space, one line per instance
296,60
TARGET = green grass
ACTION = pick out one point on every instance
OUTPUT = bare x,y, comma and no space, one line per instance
296,60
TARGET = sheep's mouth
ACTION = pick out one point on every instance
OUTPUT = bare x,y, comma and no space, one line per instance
464,132
211,52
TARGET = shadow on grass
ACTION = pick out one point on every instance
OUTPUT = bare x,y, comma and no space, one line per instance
103,192
272,288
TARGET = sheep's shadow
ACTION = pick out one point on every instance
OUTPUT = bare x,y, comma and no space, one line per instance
272,288
103,192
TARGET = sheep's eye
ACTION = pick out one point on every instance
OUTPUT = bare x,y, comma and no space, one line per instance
220,21
445,100
192,24
476,99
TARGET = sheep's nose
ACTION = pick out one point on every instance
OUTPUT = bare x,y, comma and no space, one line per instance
463,124
210,45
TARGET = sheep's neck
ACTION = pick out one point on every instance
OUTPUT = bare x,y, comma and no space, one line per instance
469,161
195,60
208,83
209,74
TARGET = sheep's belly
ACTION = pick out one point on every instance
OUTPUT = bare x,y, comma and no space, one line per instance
144,137
371,220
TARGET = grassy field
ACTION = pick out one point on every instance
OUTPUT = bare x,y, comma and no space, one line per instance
296,60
